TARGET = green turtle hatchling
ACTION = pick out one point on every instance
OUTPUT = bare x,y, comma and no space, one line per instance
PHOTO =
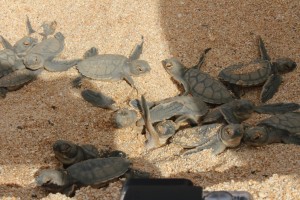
239,110
284,128
124,117
42,54
185,108
99,99
69,153
262,71
112,67
159,134
92,172
198,83
216,136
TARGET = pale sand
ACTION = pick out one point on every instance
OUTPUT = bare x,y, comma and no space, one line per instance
49,108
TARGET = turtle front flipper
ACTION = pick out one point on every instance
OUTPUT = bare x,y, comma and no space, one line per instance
59,66
5,43
270,87
262,49
137,51
276,108
29,27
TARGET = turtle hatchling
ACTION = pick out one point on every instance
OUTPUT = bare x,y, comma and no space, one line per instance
42,55
284,128
92,172
185,108
69,153
198,83
216,136
262,71
113,67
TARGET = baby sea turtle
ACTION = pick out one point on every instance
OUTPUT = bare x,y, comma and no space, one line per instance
99,99
92,172
283,128
184,107
69,153
198,83
266,71
42,54
239,110
216,136
113,67
159,135
124,117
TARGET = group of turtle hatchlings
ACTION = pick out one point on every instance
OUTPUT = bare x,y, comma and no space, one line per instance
208,115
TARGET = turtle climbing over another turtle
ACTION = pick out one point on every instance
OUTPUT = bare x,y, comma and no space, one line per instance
99,99
42,55
185,108
216,136
92,172
159,134
240,110
112,67
198,83
284,128
124,117
263,71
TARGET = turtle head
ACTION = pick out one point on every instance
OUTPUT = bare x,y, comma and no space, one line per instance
284,65
139,67
256,136
33,61
124,118
243,109
64,150
174,67
232,134
51,180
24,44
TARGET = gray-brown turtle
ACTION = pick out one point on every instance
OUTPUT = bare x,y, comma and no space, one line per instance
159,134
69,153
184,108
262,71
284,128
240,110
198,83
92,172
42,55
216,136
112,67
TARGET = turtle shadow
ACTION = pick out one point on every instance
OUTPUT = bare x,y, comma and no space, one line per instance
257,166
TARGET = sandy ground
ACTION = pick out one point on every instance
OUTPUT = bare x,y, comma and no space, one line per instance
48,109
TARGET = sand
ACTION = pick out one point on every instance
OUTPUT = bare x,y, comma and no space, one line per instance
48,109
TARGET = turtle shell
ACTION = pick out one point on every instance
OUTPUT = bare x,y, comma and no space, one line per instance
98,171
209,89
106,67
288,121
234,74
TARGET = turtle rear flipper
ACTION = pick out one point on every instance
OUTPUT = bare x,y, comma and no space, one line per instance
59,66
5,43
277,108
137,51
90,53
98,99
18,78
270,87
